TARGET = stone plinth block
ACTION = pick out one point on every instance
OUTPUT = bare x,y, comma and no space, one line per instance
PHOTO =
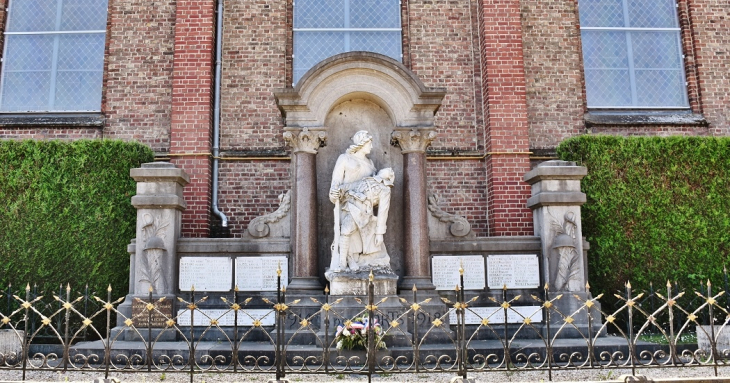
556,183
11,342
722,338
356,283
159,185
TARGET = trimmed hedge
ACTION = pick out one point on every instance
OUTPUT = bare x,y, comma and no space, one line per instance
657,208
66,215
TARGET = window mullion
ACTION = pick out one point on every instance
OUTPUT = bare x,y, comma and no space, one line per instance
630,54
346,37
54,58
632,74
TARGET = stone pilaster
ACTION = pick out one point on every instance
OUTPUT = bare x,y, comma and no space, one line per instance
304,144
413,144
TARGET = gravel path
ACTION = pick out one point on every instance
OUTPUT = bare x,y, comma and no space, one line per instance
484,377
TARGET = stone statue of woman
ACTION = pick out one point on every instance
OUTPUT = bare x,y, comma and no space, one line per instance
362,201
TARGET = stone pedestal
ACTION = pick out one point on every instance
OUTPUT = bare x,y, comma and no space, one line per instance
304,143
159,203
555,202
356,283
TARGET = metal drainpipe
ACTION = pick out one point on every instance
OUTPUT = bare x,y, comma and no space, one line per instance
217,111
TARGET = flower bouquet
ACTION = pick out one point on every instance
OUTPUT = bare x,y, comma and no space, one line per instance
354,334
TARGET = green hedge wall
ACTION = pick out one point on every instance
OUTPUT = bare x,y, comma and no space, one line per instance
66,215
658,208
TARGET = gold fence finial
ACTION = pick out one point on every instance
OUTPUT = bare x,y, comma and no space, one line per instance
461,266
327,289
278,269
414,287
669,284
27,288
371,277
68,286
109,289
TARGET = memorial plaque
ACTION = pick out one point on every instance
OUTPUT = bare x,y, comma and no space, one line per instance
518,271
445,272
141,316
206,273
259,273
495,315
226,317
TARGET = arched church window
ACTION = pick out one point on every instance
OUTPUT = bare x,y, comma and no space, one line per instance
324,28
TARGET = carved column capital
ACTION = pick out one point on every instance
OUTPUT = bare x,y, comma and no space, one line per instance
413,140
305,140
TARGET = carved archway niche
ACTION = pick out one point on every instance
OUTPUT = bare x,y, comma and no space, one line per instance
336,98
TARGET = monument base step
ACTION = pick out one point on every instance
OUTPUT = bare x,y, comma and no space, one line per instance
520,350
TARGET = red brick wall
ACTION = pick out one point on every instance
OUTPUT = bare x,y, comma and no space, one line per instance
443,50
507,123
711,32
461,188
254,64
553,71
192,108
138,93
250,189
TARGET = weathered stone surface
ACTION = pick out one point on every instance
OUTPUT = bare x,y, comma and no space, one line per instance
11,341
356,284
722,339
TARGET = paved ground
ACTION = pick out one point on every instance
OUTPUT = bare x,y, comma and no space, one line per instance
485,377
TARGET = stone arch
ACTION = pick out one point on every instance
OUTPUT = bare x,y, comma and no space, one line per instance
362,75
345,93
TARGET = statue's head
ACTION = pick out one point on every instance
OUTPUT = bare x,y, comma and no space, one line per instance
386,176
360,140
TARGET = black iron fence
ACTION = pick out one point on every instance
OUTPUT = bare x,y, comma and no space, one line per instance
499,332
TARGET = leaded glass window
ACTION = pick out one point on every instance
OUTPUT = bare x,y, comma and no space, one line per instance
632,54
53,58
324,28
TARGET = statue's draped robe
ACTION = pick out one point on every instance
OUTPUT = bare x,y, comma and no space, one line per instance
361,196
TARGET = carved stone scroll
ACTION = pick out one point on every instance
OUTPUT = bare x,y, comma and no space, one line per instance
273,224
443,225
